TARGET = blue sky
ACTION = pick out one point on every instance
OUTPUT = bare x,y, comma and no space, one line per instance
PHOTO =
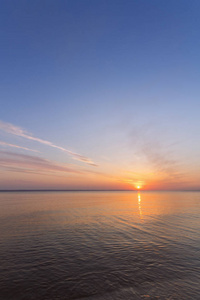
116,82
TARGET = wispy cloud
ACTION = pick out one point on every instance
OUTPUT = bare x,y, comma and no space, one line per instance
29,164
15,130
158,154
16,146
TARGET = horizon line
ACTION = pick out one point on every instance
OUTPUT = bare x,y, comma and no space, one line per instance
96,190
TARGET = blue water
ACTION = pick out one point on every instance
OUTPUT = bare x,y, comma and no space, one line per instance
99,245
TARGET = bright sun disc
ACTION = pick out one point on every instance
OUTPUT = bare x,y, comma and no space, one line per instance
138,187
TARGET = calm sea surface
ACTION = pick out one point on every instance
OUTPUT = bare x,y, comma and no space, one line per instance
99,245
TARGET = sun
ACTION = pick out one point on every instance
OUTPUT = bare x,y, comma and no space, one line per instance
139,185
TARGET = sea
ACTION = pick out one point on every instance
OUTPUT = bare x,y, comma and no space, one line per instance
91,245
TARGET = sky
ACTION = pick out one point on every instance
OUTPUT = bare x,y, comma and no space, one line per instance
100,94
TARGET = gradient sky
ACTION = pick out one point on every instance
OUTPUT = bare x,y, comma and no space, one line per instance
100,94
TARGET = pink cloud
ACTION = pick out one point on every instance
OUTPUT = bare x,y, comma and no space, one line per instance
29,163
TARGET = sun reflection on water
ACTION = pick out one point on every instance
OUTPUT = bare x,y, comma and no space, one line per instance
139,206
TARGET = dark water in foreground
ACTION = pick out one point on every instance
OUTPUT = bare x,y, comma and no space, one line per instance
99,245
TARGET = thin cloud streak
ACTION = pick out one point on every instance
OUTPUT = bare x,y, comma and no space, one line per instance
12,129
16,146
